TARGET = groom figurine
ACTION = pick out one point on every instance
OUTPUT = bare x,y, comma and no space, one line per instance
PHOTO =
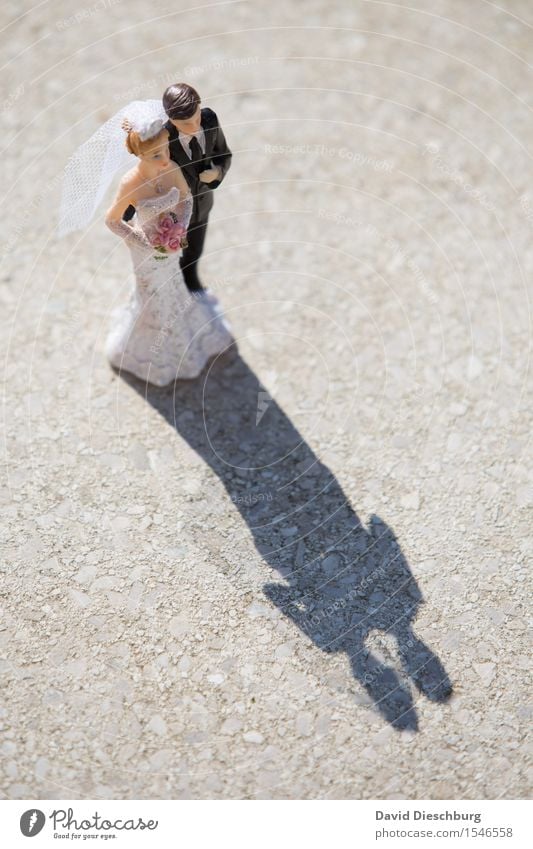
197,144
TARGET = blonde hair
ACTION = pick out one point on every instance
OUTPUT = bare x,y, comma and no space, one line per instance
135,145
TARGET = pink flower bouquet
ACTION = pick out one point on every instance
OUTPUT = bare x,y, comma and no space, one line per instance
169,235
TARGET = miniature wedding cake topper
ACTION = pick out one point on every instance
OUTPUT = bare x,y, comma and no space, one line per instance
176,153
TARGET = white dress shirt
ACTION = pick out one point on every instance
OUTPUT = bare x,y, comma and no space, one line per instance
185,140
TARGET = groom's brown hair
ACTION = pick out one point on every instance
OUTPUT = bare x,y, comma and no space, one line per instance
180,101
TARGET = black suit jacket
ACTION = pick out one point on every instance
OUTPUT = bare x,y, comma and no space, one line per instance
217,152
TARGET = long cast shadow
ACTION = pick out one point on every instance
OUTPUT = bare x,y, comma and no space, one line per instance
341,580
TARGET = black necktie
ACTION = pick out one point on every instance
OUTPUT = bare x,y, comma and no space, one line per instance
196,153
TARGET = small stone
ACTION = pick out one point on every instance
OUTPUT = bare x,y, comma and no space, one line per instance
485,671
85,574
454,442
75,667
331,564
157,724
496,616
41,768
179,625
524,495
474,368
138,456
82,599
400,441
12,769
231,725
411,501
105,582
458,409
285,650
257,609
253,737
145,523
304,724
161,759
184,664
120,523
192,486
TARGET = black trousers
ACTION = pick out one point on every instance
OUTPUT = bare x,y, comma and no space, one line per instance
196,234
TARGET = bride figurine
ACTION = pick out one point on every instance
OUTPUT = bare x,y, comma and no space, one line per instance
164,332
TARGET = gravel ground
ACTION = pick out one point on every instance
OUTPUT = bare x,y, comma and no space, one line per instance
304,574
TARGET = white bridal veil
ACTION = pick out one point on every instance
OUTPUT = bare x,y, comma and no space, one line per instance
91,169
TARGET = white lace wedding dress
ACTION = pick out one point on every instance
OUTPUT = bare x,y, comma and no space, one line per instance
165,332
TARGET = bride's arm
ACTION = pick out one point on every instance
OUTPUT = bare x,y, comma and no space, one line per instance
184,208
126,196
